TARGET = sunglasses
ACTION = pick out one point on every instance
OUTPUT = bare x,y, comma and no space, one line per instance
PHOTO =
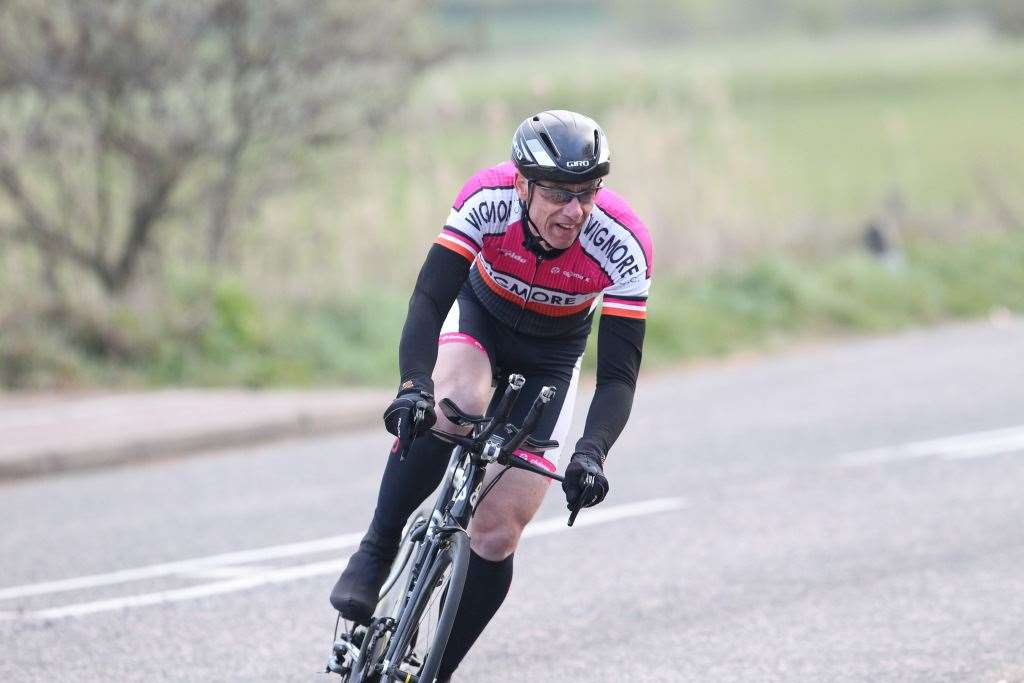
557,195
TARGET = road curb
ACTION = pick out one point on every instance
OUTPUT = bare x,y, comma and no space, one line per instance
48,462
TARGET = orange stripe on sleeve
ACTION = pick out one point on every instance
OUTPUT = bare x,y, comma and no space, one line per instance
623,313
458,249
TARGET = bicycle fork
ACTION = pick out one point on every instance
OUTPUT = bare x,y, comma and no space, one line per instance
437,536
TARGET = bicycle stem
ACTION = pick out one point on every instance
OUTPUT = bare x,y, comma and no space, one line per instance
532,418
515,383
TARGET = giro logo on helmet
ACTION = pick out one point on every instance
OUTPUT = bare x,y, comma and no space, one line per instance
559,146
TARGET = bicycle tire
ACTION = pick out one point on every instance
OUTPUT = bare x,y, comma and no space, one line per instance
394,587
455,555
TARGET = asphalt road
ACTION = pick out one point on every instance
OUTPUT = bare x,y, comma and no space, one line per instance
798,518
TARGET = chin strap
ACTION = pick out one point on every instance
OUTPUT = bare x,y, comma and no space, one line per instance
531,234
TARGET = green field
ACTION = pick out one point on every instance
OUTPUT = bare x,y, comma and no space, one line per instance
726,150
756,165
767,304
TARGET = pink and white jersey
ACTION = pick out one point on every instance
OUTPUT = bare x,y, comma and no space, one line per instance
548,297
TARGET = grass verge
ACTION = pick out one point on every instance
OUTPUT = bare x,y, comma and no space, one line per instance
778,301
772,303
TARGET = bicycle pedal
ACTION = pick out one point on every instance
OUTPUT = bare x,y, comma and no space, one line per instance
337,666
345,650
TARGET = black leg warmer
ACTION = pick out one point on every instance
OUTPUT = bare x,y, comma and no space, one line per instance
487,584
406,483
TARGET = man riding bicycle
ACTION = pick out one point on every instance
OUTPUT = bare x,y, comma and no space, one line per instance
511,283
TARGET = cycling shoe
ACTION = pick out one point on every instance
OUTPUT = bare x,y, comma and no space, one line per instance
355,594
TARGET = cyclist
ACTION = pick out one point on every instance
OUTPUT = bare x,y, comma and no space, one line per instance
511,283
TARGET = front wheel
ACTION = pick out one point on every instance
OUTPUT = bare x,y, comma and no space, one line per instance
375,639
427,623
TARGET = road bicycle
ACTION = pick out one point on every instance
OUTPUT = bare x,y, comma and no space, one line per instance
407,635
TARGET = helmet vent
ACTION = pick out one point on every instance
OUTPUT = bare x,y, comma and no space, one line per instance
559,146
551,145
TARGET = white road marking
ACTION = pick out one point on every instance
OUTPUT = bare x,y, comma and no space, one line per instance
600,515
182,566
273,576
959,447
191,593
229,572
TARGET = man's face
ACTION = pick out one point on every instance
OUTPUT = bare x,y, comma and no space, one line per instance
558,217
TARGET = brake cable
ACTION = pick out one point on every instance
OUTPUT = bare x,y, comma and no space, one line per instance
490,486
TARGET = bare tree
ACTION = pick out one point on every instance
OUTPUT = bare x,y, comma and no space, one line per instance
115,114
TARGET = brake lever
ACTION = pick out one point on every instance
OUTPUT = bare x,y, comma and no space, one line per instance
515,383
531,420
417,419
504,409
575,510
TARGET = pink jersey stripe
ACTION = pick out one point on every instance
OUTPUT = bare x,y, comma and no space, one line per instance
502,175
461,338
534,459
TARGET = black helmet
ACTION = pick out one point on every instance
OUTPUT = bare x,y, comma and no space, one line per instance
560,146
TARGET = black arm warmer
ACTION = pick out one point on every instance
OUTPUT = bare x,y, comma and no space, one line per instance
437,285
620,343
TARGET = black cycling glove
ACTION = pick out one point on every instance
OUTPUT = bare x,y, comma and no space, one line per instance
585,484
400,418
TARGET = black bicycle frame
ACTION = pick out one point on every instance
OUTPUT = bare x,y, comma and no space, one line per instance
454,509
452,513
